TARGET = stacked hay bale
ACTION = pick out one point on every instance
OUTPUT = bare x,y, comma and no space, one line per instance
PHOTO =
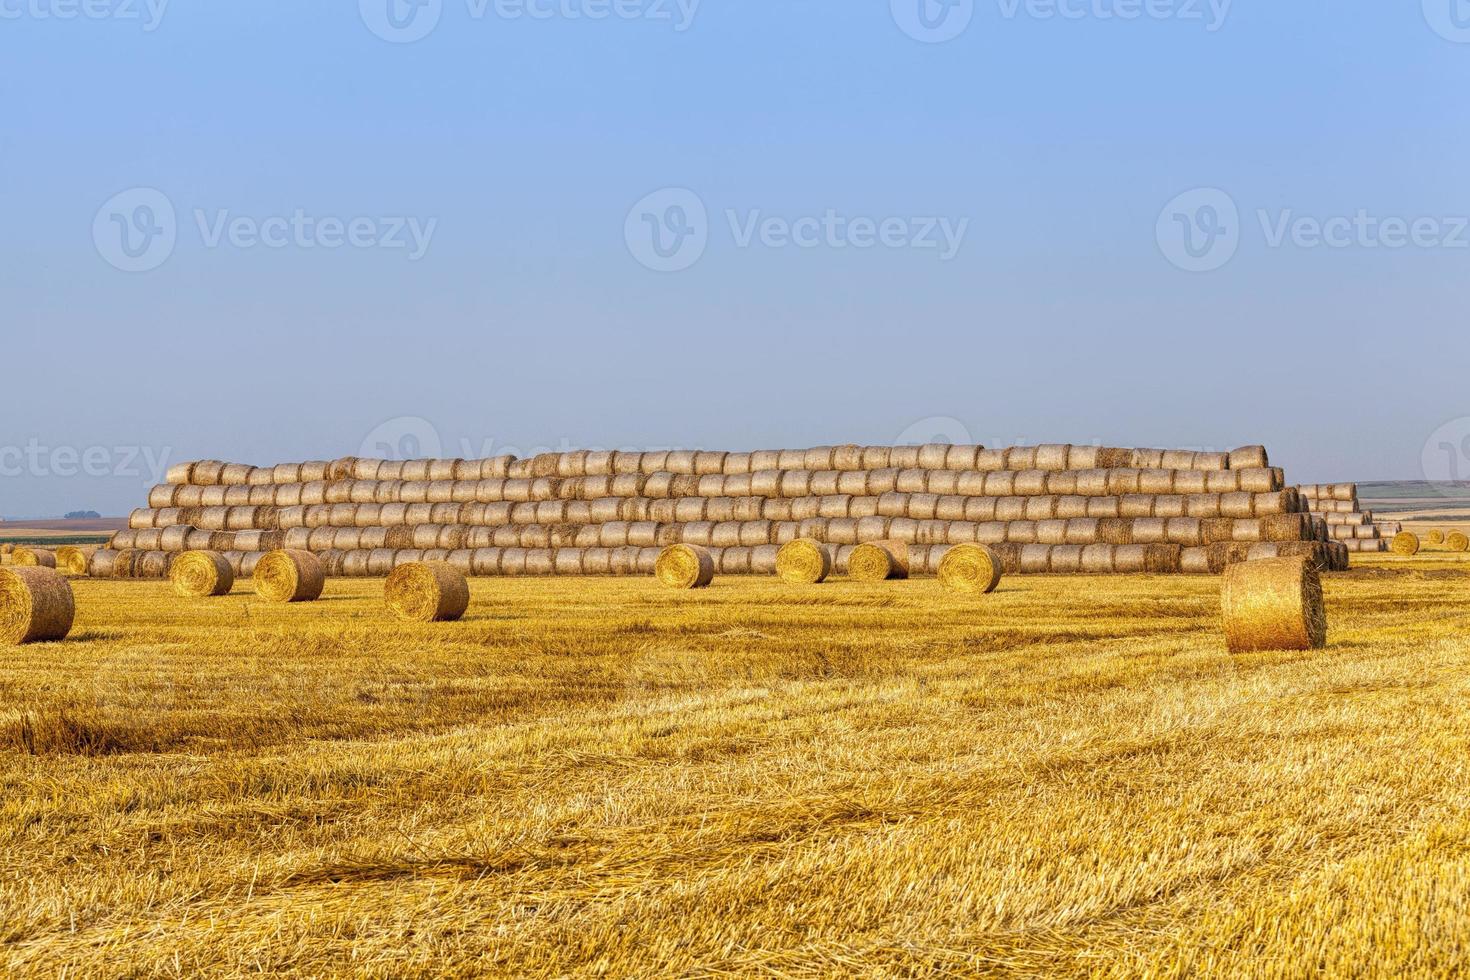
1336,504
1054,509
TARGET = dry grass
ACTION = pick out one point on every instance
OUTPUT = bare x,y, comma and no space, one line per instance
605,777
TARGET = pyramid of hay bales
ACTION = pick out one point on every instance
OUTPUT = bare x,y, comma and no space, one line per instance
1336,504
1045,509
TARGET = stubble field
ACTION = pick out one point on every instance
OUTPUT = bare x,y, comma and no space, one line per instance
597,777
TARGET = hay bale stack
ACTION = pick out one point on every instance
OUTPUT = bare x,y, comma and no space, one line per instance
879,561
36,606
289,576
1275,604
804,562
33,558
427,592
200,574
973,569
685,566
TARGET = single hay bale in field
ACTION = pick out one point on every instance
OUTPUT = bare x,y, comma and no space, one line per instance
197,574
289,576
685,566
33,558
1435,537
36,605
1406,543
804,562
427,592
973,569
1457,541
879,561
74,558
1273,604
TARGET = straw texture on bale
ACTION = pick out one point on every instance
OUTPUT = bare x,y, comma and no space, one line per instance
685,566
33,558
971,568
1406,543
198,574
1274,604
804,562
36,605
289,576
879,561
427,592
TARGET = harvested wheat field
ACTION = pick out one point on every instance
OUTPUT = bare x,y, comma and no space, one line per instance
608,777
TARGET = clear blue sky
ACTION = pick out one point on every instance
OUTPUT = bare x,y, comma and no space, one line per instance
526,313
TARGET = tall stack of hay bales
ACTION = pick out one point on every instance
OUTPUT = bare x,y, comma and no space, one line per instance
1051,509
1336,505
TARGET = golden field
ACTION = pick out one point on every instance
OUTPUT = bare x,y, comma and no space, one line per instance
598,777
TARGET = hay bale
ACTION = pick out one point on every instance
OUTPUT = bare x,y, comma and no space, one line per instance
1457,541
74,559
1249,457
685,566
1273,604
289,576
427,592
36,605
102,563
972,569
879,561
33,558
1435,537
1406,543
197,574
804,562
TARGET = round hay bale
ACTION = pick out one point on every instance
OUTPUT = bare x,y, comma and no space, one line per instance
289,576
1406,543
74,559
685,566
1457,541
36,605
1435,537
102,563
198,574
973,569
879,561
1273,604
33,558
804,562
427,592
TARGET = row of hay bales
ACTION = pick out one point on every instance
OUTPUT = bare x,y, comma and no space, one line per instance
699,463
570,503
1337,504
760,559
72,559
1189,531
789,484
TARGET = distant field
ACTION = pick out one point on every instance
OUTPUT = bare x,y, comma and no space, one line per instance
58,533
600,777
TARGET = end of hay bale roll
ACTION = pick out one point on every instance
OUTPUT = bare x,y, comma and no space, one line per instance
36,606
289,576
200,574
1457,541
685,566
1406,543
974,569
1435,537
74,559
1273,604
804,562
33,558
879,561
427,592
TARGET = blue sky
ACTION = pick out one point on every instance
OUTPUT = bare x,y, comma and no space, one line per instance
450,239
